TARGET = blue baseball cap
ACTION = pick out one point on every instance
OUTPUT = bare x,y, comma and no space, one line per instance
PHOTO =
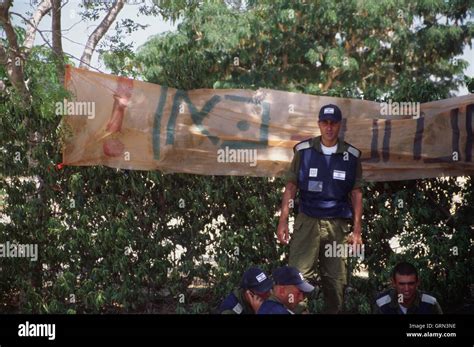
330,112
256,280
288,275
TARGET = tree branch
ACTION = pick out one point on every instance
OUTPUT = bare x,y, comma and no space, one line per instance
332,75
57,43
3,55
46,42
43,8
99,32
4,7
13,57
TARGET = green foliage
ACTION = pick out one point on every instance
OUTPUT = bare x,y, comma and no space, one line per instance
132,241
433,221
371,48
469,83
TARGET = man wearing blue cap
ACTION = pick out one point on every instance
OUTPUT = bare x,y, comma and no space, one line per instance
328,174
254,289
288,291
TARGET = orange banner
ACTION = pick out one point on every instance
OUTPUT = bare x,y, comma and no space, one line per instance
130,124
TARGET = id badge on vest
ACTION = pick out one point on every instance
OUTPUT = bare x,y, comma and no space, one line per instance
315,186
339,175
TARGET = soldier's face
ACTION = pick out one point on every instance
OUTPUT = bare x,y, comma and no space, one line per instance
405,285
293,296
329,130
262,295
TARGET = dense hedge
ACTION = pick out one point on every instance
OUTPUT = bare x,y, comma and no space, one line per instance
130,241
109,238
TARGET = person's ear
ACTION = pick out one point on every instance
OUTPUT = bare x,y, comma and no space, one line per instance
394,284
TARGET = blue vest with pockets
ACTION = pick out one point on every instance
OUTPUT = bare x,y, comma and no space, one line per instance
273,307
231,303
426,304
324,188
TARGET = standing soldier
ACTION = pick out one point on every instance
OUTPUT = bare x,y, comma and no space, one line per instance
328,174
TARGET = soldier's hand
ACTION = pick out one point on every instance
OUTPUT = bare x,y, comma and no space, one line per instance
254,300
355,238
282,232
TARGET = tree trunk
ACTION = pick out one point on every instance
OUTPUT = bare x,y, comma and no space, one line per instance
99,32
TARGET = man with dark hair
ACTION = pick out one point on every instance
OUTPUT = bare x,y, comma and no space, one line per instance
254,288
327,173
404,297
404,268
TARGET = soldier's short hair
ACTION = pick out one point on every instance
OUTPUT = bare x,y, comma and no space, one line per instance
404,268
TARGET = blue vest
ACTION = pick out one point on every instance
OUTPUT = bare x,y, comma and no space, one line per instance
272,307
231,303
384,302
324,188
